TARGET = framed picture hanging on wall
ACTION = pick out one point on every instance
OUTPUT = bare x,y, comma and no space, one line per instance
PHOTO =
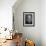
28,19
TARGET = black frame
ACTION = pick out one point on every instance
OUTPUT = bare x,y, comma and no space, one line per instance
32,19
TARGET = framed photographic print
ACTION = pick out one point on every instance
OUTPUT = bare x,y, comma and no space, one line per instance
28,19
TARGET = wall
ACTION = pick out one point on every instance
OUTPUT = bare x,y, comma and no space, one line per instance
33,33
43,22
6,13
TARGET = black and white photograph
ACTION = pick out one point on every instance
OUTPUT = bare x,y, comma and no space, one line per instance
28,19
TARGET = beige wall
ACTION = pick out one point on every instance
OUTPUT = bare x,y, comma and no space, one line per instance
33,33
38,32
43,22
